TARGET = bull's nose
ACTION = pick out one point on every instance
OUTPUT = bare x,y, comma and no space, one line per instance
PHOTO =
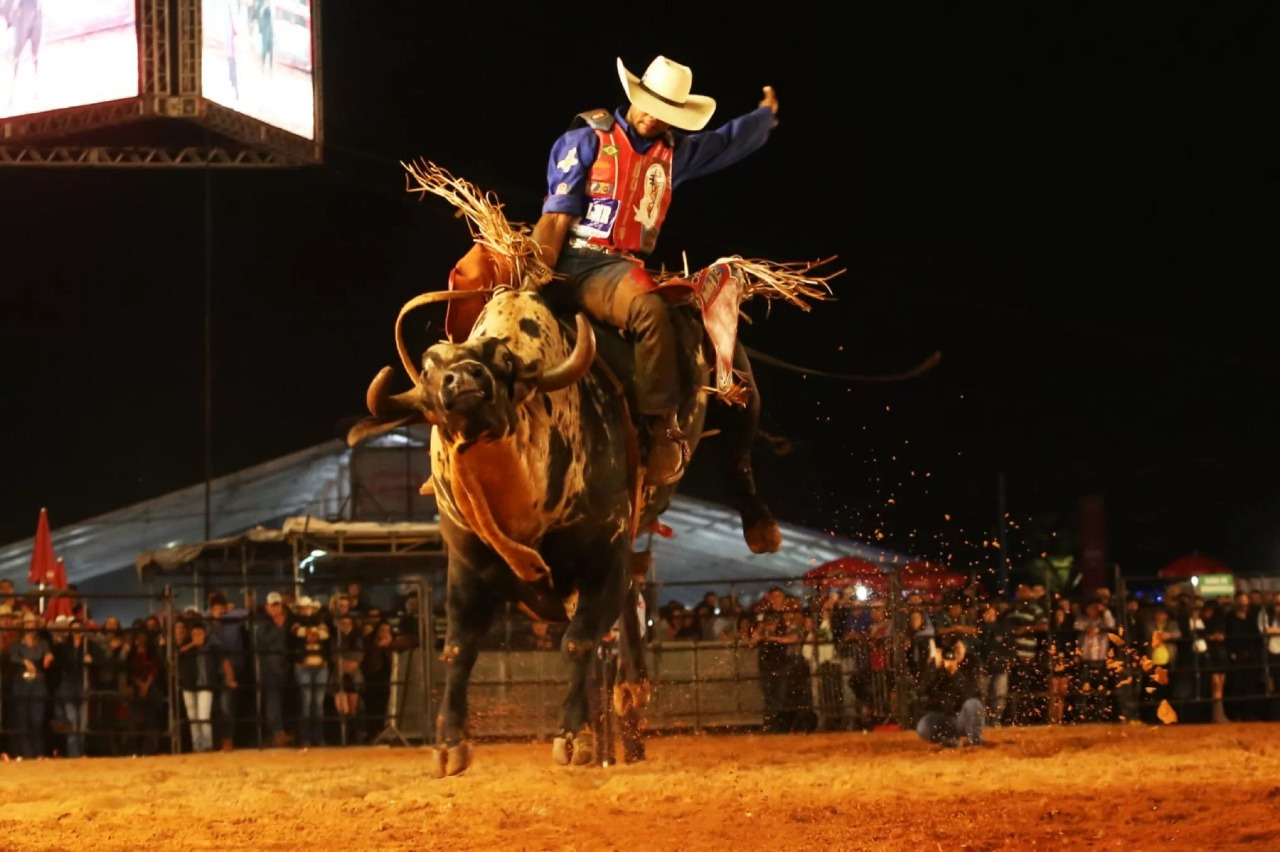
463,380
462,374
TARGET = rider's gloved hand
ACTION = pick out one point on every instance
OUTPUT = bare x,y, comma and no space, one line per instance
770,100
536,275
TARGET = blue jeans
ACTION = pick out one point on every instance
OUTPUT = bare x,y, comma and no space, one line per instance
947,730
224,720
272,708
75,712
311,688
29,702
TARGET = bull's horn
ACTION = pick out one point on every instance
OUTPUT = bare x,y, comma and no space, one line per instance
418,301
383,406
576,365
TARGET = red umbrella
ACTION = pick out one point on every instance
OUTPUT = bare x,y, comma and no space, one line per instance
43,565
59,604
847,571
1192,566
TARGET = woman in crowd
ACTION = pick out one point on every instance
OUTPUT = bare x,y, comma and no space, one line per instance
197,678
31,657
145,677
71,658
375,668
348,655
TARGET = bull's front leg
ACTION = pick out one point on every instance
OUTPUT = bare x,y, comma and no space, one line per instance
453,751
470,613
576,741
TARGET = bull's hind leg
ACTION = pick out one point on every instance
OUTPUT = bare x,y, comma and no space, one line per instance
741,427
600,602
631,683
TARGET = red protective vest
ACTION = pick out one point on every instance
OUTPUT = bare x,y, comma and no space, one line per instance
628,192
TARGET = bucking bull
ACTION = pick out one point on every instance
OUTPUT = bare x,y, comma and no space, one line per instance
535,455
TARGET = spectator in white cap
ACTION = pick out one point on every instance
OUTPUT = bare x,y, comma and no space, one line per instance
271,637
311,652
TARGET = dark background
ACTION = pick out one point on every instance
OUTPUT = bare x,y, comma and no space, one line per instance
1078,212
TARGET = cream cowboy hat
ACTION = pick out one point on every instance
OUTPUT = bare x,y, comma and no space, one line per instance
663,92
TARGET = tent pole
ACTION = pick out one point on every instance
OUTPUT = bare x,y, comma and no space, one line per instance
208,352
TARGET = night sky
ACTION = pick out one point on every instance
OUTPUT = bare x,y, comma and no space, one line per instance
1080,214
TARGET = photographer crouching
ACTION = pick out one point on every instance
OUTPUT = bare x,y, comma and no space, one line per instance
949,696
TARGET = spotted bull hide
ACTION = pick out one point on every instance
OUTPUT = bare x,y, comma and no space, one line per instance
533,464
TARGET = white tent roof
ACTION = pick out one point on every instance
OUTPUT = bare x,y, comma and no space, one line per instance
313,481
706,547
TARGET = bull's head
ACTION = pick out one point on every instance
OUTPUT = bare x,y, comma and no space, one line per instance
471,389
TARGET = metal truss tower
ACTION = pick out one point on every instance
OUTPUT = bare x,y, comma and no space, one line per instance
170,124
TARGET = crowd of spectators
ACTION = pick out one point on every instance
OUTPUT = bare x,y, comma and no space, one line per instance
284,672
306,672
827,658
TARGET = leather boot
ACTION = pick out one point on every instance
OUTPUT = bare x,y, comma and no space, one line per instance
668,451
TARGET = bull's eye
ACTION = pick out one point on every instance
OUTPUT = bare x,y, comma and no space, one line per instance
505,360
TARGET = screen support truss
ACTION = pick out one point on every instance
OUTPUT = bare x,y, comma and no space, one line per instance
169,34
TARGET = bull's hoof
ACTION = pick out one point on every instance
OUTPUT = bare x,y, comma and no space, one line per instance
759,529
453,760
561,750
764,537
630,696
584,748
578,749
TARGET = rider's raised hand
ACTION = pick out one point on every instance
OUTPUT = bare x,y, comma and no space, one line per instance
770,100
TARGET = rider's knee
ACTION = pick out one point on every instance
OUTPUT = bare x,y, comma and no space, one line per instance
645,313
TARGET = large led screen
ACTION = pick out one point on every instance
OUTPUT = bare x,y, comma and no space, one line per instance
66,53
257,61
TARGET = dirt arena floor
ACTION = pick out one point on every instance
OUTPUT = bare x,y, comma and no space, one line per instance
1089,787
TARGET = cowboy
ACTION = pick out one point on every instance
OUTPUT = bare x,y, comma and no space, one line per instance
610,179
